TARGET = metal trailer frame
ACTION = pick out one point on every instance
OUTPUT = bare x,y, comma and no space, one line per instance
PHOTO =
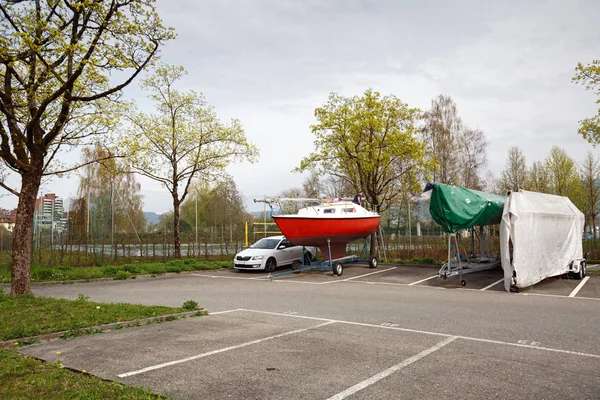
336,265
460,263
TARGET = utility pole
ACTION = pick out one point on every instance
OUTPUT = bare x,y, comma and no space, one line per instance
197,220
112,218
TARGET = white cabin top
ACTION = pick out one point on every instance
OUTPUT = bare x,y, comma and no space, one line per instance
336,209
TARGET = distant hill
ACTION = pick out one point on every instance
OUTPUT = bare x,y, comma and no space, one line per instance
151,217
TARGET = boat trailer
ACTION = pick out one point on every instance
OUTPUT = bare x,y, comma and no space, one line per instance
461,262
335,265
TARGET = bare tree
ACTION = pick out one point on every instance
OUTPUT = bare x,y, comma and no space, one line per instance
472,158
440,133
590,181
514,175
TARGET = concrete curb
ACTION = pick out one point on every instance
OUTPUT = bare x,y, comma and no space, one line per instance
46,337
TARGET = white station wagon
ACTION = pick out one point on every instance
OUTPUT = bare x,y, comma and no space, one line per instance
271,252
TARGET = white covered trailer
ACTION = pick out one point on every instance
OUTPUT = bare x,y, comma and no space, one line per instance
540,237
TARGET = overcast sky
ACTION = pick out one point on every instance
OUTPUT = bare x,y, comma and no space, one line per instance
507,64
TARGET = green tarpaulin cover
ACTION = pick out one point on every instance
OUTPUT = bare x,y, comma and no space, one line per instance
455,207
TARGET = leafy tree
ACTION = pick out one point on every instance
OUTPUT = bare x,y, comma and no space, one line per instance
564,177
57,59
514,175
589,76
590,181
369,142
538,179
182,141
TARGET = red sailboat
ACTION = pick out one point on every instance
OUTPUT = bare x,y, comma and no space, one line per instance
329,226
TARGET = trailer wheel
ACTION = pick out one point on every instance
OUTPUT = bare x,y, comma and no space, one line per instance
338,268
580,274
373,262
463,283
296,265
584,268
514,289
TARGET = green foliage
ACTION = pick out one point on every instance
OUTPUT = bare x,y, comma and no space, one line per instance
58,77
122,275
589,76
26,316
190,305
370,141
24,377
183,139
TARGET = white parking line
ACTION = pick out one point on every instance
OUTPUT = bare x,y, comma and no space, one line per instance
578,288
368,382
359,276
395,327
423,280
210,353
493,284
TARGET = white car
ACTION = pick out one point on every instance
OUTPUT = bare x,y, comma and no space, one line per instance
271,252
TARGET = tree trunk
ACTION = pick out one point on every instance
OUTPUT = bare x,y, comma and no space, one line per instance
176,238
23,233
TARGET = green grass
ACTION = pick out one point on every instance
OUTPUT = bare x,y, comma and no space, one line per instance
25,316
125,271
28,378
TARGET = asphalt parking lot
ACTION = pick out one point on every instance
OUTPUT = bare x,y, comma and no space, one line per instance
390,332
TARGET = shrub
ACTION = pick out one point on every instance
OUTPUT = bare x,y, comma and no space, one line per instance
121,275
43,274
190,305
173,268
109,271
134,269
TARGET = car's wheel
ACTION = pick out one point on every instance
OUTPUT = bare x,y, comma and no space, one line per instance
373,262
307,258
338,268
584,268
271,265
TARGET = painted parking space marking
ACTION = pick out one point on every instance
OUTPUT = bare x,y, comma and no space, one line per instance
292,279
399,328
370,381
493,284
578,288
422,280
225,277
210,353
359,276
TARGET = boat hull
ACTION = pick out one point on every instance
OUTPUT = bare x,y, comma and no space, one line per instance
331,235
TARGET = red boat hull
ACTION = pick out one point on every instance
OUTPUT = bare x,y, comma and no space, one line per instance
329,234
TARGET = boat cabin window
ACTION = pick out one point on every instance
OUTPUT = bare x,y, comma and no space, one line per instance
329,211
349,210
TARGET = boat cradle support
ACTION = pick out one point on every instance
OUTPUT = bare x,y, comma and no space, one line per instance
460,262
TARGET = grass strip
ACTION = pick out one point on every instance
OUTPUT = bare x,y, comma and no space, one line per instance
125,271
28,378
26,316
